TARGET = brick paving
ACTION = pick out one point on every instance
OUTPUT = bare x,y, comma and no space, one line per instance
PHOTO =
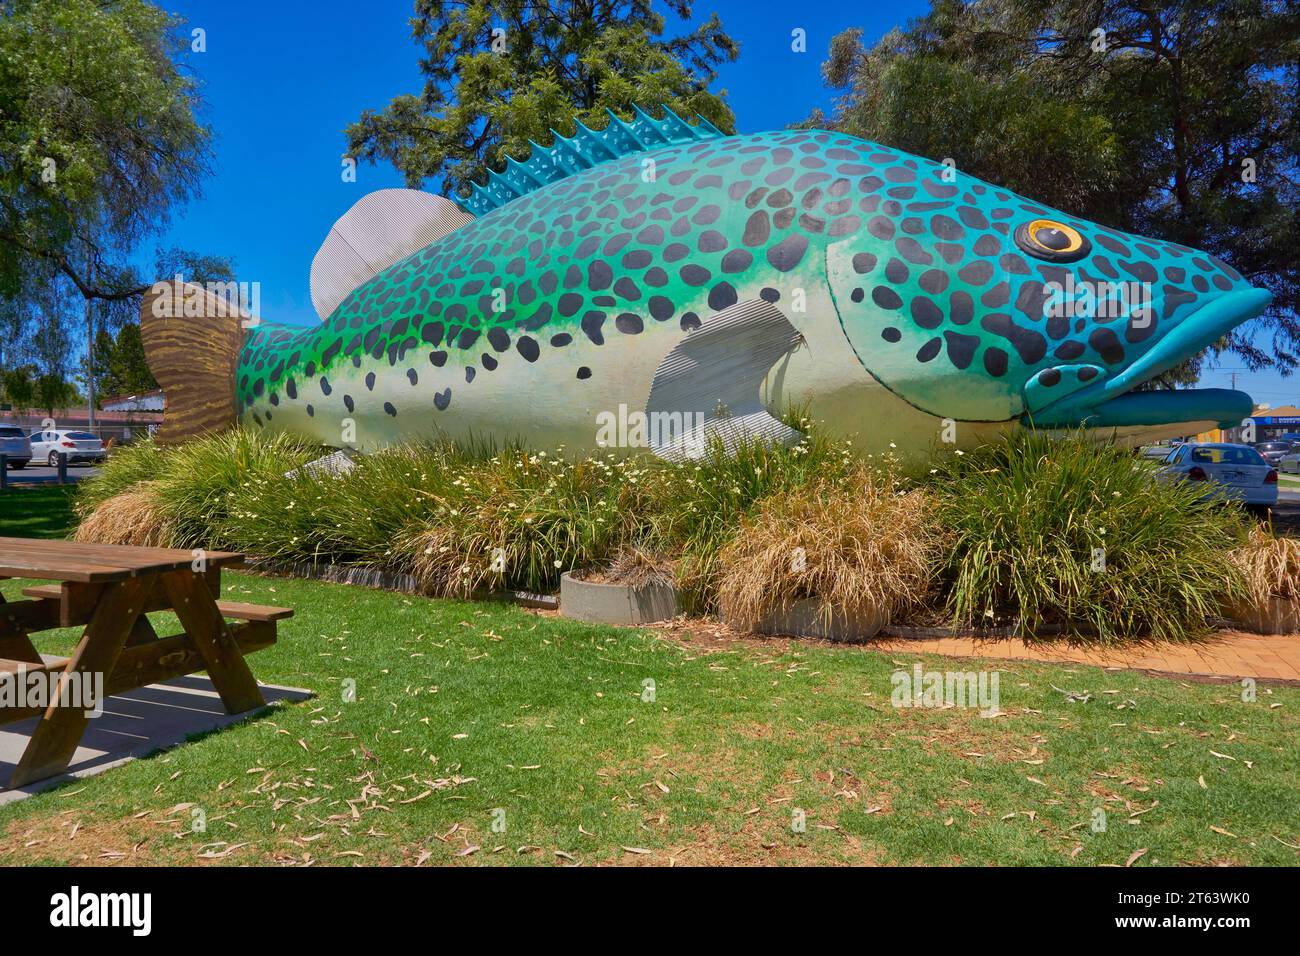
1226,656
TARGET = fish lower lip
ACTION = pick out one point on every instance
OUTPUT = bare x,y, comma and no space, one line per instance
1111,401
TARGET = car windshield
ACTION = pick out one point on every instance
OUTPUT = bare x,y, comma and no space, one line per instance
1229,455
11,433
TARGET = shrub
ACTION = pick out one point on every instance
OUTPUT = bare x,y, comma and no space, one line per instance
1034,515
861,546
521,519
189,485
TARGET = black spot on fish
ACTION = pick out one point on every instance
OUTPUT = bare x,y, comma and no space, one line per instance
1069,351
470,372
787,253
1014,264
934,281
863,262
961,308
1107,345
626,288
438,358
1029,344
693,274
689,321
881,227
442,399
890,334
976,273
961,348
721,296
712,241
885,297
929,350
560,340
737,260
768,294
584,372
945,227
896,272
676,251
499,338
591,323
528,348
629,323
599,275
925,313
661,307
995,362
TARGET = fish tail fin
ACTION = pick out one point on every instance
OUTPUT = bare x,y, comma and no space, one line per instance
192,338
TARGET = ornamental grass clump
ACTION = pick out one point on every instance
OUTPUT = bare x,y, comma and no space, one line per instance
1270,566
860,546
1071,536
697,507
188,486
132,517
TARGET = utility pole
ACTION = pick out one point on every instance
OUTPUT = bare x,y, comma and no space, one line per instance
90,353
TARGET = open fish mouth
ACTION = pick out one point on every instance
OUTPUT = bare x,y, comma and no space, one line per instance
1091,397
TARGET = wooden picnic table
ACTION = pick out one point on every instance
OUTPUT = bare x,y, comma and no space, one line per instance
108,589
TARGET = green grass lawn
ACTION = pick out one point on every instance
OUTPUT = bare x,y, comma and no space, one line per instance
484,734
36,511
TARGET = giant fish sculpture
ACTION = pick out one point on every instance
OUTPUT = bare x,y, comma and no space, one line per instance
661,272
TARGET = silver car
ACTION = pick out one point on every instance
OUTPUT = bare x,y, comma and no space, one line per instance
15,446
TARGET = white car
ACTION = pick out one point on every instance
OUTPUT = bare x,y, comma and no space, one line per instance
1239,470
15,446
78,446
1290,462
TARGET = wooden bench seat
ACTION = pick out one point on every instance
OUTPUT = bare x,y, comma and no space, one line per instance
235,610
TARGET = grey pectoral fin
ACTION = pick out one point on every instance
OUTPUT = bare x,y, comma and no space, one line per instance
709,385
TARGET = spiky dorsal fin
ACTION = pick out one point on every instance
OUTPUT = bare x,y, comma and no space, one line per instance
587,148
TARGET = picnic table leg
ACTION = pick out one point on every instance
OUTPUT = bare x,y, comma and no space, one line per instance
59,730
15,645
193,603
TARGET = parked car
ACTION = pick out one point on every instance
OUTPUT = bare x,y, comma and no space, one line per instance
1154,452
78,446
1238,470
1274,450
1290,462
14,445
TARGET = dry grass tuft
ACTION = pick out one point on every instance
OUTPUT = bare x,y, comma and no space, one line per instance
635,566
1271,565
860,546
131,517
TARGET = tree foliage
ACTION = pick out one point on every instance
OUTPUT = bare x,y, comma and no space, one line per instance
499,73
1176,119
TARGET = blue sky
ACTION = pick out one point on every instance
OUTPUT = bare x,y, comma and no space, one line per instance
282,79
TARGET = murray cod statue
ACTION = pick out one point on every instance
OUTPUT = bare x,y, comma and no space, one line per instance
662,272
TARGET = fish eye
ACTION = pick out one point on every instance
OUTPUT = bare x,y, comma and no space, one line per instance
1052,240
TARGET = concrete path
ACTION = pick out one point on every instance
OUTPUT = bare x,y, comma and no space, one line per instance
133,725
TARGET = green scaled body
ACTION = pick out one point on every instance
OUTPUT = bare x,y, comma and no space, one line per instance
913,300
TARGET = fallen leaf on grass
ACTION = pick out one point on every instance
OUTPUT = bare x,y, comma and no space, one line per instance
1135,856
1222,831
637,849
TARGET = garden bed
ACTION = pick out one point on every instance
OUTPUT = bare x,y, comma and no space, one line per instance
1047,537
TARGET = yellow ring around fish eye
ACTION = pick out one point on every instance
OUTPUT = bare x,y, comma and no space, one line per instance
1052,240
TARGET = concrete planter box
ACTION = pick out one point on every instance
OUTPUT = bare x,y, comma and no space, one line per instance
803,619
616,603
1281,616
